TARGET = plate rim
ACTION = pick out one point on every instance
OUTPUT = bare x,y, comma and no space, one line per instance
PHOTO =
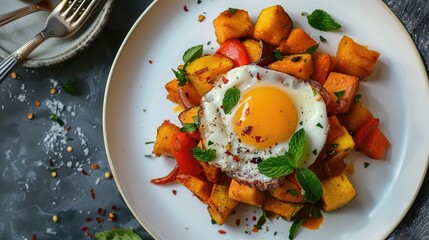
101,21
421,67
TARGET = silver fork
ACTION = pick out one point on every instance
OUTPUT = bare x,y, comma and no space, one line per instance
64,21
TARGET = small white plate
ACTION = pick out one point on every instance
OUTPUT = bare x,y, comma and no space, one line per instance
135,105
52,51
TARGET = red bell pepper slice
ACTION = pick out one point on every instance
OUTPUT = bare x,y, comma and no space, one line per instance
360,134
167,179
182,144
235,50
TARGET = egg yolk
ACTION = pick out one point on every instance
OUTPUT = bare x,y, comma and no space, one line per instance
266,115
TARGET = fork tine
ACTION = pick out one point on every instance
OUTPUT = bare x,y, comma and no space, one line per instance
70,7
77,13
88,10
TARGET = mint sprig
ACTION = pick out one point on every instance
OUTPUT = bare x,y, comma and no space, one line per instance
321,20
291,161
190,55
230,99
190,127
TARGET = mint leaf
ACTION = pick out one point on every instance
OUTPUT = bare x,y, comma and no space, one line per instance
322,21
310,184
296,147
70,88
339,94
357,98
230,99
181,76
117,234
192,53
189,127
322,39
276,167
232,10
261,221
204,155
294,228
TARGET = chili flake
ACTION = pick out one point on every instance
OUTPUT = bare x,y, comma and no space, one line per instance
185,8
222,232
92,193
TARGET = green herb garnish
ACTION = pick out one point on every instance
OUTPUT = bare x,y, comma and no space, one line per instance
278,55
190,127
55,118
322,39
70,88
116,234
310,184
149,142
315,212
319,125
339,94
294,228
322,21
312,49
357,98
232,10
203,155
261,221
366,164
293,192
230,99
190,55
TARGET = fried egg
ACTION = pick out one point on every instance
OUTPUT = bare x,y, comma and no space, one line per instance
271,108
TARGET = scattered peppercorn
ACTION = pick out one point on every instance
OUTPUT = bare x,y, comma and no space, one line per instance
37,103
30,116
94,166
201,18
14,75
53,91
54,174
69,149
55,218
107,175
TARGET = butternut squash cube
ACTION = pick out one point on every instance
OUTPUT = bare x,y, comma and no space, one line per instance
190,92
202,72
246,194
253,48
355,59
164,139
288,192
286,210
187,116
338,191
345,142
212,173
232,24
273,25
197,185
344,86
220,204
358,116
298,65
297,42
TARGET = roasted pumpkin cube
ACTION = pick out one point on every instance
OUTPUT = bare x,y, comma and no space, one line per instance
202,72
273,25
187,116
164,139
343,86
358,116
298,65
220,204
338,191
375,144
212,173
345,142
246,194
297,42
355,59
233,23
286,210
253,48
288,192
197,184
189,92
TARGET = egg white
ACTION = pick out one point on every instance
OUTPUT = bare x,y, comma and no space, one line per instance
217,128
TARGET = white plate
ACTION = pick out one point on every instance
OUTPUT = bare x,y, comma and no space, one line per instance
53,50
135,106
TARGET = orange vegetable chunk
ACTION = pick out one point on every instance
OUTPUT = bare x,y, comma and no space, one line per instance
335,129
232,24
298,41
273,25
322,63
344,85
355,59
375,144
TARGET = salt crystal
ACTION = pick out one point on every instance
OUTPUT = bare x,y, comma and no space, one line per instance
86,151
69,163
22,98
97,181
53,82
